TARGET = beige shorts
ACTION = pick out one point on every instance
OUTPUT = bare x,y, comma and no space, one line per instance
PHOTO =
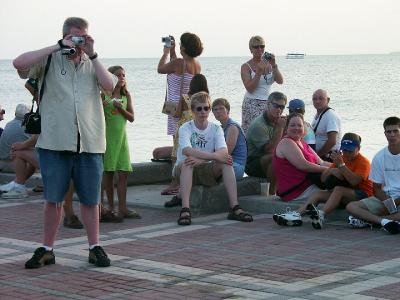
376,206
203,174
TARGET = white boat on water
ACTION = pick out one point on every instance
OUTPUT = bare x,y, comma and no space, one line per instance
295,55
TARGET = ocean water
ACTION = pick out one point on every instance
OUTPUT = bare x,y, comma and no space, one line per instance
364,90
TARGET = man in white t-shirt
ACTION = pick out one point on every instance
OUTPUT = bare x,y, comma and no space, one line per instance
384,207
326,124
203,157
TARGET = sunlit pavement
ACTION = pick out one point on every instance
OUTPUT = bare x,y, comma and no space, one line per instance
154,258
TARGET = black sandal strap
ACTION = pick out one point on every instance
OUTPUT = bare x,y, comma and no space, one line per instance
185,210
236,207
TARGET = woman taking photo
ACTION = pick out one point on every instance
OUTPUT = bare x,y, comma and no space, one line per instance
180,72
258,74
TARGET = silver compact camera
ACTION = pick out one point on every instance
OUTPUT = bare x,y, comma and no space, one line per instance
78,40
267,55
167,40
68,51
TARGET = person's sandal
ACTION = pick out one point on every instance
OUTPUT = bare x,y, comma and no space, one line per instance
242,217
185,219
175,201
131,214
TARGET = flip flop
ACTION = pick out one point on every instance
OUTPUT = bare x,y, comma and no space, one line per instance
161,160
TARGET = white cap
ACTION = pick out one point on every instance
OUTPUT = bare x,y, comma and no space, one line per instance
21,110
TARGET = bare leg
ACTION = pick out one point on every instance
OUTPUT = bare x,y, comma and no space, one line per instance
229,179
360,210
121,192
108,181
186,184
338,195
90,218
52,219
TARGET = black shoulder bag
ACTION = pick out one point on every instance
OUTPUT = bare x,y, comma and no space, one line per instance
31,122
319,119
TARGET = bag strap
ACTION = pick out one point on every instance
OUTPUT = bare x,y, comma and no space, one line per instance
46,69
292,189
319,119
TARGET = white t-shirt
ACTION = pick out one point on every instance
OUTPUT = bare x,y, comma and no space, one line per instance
209,140
385,169
330,121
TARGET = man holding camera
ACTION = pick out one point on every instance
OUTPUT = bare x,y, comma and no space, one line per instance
72,139
383,207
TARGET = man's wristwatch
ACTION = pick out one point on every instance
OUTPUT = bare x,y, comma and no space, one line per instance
341,165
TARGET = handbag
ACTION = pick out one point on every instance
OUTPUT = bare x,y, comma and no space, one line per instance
32,121
170,107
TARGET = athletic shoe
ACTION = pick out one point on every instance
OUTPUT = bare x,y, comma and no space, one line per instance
317,216
392,227
16,193
40,258
357,223
98,257
7,187
289,218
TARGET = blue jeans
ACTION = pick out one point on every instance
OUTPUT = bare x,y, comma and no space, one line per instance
59,167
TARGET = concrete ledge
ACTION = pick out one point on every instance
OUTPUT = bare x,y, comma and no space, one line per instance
274,204
215,199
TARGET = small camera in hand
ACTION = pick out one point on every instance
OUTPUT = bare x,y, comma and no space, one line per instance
78,40
267,56
168,40
68,51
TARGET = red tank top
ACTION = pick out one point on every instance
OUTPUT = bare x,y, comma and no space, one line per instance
288,176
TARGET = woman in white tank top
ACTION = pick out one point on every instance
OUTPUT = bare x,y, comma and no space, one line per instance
258,75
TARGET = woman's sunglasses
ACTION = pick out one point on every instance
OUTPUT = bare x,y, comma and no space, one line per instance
258,47
200,108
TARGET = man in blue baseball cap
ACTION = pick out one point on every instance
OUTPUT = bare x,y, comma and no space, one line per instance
298,106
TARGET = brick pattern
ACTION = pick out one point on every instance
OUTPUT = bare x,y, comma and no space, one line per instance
153,258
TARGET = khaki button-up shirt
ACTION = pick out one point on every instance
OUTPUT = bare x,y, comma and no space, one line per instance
71,105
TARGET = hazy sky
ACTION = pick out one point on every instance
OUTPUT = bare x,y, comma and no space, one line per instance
134,28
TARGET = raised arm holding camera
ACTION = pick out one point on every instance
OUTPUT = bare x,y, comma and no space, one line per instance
71,111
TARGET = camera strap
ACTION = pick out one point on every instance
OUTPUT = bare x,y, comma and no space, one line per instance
46,69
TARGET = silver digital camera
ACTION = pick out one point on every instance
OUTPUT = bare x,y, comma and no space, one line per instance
167,40
78,40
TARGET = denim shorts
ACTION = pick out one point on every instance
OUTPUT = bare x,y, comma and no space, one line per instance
59,167
360,194
239,170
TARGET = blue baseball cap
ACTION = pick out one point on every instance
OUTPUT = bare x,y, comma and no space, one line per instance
296,104
349,145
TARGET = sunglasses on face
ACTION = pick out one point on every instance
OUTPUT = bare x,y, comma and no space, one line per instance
276,105
258,47
200,108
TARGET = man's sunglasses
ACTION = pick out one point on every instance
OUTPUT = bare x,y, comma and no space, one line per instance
258,47
276,105
200,108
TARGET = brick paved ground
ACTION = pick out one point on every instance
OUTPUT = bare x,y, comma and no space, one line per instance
153,258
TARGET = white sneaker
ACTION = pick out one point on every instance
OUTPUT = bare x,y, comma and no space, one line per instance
316,215
16,193
289,218
357,223
7,187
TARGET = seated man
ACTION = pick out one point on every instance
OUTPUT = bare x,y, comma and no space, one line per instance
202,157
263,136
346,180
383,207
13,133
234,136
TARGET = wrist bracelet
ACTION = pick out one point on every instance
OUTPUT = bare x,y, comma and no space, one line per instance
94,56
341,165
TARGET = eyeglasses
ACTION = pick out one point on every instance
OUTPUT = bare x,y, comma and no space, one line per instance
200,108
258,46
394,131
276,105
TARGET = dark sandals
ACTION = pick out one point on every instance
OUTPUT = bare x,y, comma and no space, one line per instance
185,219
175,201
242,217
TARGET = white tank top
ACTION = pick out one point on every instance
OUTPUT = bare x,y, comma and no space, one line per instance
263,88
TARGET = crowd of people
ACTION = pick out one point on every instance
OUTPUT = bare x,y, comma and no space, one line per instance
83,144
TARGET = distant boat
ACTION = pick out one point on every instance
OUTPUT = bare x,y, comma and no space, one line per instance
295,55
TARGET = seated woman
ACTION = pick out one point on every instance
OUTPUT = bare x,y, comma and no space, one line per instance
292,161
234,136
349,173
